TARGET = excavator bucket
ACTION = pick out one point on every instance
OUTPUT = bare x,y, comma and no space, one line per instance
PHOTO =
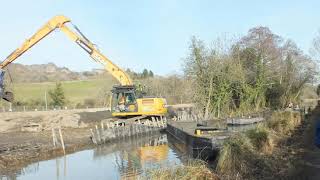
6,95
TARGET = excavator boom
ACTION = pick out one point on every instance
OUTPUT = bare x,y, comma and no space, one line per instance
124,100
60,22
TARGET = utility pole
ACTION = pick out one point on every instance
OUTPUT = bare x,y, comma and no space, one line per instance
45,100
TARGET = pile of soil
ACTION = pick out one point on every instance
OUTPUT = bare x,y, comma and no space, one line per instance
14,121
20,148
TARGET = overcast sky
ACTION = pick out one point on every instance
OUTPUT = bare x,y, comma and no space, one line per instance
147,34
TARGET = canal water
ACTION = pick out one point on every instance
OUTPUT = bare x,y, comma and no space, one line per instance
129,159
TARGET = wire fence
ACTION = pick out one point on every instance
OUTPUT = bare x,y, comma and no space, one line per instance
11,108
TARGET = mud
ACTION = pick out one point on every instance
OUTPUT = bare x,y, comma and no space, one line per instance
20,148
306,161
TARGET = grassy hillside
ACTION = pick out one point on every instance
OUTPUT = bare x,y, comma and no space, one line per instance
75,91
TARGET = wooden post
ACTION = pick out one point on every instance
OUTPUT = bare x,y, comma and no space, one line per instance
93,137
54,138
102,126
98,134
162,124
152,119
158,123
62,142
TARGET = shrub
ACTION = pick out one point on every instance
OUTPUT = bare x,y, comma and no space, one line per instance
234,158
89,102
260,139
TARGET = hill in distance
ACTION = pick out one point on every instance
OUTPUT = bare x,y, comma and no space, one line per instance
29,83
20,73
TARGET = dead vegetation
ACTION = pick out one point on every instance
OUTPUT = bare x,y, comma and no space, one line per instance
195,170
234,156
257,153
261,139
284,122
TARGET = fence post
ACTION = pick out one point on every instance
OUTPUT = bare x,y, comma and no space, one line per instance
102,126
54,138
62,142
98,134
93,137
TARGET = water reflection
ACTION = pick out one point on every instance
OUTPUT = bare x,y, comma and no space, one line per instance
130,158
62,166
138,155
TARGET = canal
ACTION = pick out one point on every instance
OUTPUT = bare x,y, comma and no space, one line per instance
129,159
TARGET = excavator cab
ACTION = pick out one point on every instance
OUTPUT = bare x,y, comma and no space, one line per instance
124,99
129,101
6,95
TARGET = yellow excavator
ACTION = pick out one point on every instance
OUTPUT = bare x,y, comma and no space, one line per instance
125,101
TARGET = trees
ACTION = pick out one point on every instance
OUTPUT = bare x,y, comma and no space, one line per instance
145,73
150,74
259,70
57,95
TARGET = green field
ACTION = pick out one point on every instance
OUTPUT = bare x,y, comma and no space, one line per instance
75,91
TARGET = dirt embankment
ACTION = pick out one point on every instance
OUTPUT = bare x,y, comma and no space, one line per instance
306,162
27,136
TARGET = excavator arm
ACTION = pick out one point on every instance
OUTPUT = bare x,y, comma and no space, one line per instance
60,22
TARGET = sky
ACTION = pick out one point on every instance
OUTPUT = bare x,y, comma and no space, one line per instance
139,34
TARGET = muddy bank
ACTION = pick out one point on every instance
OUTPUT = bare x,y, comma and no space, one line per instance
20,147
306,160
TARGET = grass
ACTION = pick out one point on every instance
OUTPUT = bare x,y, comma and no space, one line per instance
234,157
250,154
195,170
261,139
284,122
75,91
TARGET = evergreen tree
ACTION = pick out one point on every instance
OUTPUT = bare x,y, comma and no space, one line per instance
145,73
151,74
57,95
